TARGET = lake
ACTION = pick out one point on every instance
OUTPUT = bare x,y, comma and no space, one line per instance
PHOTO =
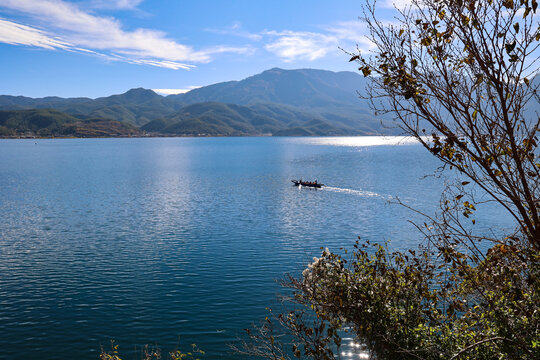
168,240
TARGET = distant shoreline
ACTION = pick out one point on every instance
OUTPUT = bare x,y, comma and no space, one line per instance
28,137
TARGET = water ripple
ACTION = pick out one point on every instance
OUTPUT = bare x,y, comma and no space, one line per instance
145,240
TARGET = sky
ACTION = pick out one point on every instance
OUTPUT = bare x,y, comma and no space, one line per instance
94,48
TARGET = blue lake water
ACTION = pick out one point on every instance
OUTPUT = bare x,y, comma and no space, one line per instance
148,240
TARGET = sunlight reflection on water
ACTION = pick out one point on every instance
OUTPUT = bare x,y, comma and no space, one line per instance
354,350
358,141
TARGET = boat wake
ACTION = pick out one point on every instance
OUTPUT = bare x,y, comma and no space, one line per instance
357,192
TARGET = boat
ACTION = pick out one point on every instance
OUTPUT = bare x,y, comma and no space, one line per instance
313,184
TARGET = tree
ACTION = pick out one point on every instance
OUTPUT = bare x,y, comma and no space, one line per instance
459,76
464,68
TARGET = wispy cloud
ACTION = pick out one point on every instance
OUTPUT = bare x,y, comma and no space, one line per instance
140,46
159,63
64,25
299,45
396,4
348,31
116,4
235,30
290,45
243,50
295,45
175,91
17,34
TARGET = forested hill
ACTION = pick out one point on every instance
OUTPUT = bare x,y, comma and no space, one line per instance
136,106
53,123
276,101
304,88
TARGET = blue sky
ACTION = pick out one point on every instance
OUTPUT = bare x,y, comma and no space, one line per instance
101,47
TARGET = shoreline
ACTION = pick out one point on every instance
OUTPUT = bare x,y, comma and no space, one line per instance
176,136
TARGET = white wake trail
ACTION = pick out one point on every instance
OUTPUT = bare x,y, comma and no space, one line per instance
362,193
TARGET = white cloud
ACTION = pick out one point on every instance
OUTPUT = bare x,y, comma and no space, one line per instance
17,34
396,4
175,91
295,45
69,27
299,45
247,50
116,4
348,30
140,46
351,33
303,45
159,63
235,30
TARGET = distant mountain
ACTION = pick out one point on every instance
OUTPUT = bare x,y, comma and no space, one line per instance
206,118
329,96
305,88
8,102
47,123
213,118
277,101
137,106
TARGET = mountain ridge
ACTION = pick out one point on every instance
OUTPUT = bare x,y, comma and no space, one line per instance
276,101
53,123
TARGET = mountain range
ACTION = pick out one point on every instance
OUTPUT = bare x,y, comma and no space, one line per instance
275,102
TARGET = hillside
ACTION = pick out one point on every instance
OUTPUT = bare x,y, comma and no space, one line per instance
329,96
213,118
53,123
136,106
276,101
304,88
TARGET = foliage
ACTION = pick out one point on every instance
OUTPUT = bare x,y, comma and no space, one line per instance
411,306
52,123
458,76
153,353
463,69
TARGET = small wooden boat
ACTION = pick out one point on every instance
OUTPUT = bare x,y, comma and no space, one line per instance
313,184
